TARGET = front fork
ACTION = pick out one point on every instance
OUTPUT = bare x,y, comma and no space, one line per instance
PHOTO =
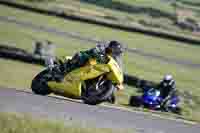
49,62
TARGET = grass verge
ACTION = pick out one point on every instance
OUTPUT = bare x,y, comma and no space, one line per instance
18,123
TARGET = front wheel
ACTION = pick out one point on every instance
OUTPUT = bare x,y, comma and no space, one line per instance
39,83
135,101
97,91
112,99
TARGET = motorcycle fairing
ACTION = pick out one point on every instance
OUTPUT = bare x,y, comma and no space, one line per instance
151,97
71,85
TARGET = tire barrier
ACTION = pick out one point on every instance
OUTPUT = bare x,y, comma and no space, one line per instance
137,82
21,55
154,33
13,53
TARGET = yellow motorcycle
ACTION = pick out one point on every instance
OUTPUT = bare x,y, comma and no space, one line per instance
94,83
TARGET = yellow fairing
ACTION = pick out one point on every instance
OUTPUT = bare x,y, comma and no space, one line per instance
116,74
71,86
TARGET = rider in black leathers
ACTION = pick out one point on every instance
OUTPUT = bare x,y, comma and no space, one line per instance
113,48
167,88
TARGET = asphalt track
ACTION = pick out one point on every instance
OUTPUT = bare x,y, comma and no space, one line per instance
99,116
25,24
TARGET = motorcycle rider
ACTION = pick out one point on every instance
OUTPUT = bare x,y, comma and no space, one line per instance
113,48
167,88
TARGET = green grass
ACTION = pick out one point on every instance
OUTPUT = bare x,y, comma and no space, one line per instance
191,1
147,68
18,123
162,6
22,37
12,72
123,16
149,44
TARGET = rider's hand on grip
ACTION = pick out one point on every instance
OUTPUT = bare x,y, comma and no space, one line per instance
120,87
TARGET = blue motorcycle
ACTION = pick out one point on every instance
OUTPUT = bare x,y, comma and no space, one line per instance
152,99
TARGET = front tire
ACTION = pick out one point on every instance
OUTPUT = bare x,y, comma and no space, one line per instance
112,99
93,97
39,83
135,101
176,110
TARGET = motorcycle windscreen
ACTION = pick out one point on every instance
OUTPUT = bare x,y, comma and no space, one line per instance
151,97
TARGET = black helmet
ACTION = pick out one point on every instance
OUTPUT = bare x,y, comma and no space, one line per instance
115,47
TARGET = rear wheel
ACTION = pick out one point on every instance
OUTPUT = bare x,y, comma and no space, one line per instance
176,110
97,91
39,83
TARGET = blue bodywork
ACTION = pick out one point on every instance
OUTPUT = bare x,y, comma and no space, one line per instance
152,99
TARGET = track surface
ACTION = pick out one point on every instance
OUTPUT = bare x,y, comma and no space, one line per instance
25,24
100,116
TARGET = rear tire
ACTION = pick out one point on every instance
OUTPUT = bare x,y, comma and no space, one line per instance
39,83
97,98
135,101
176,110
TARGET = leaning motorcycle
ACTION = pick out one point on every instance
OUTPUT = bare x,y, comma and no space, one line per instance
94,83
151,99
